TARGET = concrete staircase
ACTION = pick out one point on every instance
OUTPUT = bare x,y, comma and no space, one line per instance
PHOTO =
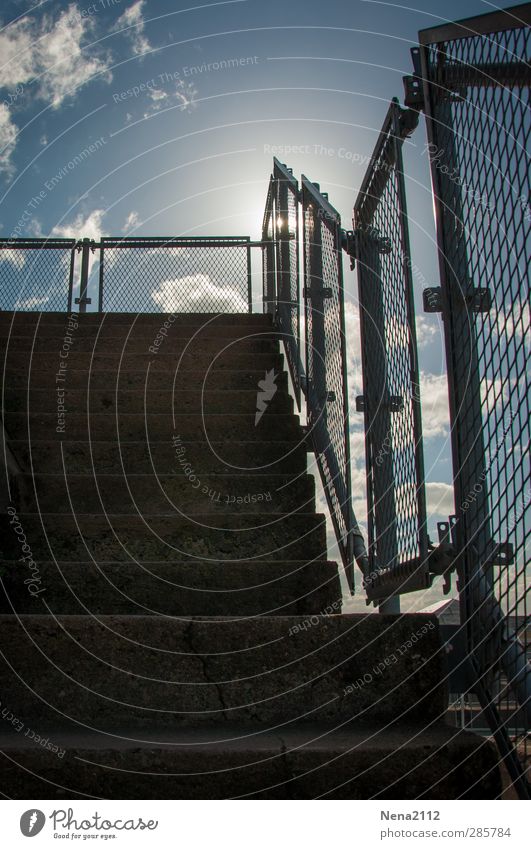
174,628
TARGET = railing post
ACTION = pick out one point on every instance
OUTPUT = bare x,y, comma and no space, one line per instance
84,246
249,276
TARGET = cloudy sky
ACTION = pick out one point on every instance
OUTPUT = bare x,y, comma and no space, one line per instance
181,107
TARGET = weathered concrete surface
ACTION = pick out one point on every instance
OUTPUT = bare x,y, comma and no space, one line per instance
242,344
217,458
152,425
224,705
144,669
184,589
242,379
231,321
117,537
316,761
196,361
168,495
199,400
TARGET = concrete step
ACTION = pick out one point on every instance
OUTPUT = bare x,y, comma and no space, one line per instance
142,344
139,400
226,762
136,330
152,426
161,538
20,319
174,363
221,458
171,495
178,588
137,670
215,379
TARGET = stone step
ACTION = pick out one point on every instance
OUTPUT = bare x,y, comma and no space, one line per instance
139,400
221,458
144,344
215,379
162,538
17,319
190,361
138,670
152,426
179,588
135,330
311,761
170,495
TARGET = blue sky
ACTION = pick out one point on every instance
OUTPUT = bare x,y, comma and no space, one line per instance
181,107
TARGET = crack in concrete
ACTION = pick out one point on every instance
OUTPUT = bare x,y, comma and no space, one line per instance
188,639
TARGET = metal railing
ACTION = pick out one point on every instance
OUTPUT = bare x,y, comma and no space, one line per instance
472,79
396,503
324,381
201,274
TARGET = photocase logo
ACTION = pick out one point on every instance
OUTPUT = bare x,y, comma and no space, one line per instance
32,822
266,390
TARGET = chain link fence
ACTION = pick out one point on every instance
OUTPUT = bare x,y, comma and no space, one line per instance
36,274
201,275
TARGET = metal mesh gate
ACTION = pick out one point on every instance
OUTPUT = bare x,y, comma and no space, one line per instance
476,77
398,541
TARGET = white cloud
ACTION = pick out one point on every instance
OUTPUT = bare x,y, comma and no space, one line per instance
132,222
197,293
183,95
8,139
132,21
435,411
29,303
427,330
81,227
15,258
50,54
439,499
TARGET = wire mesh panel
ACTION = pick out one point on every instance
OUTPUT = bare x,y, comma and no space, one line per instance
476,78
36,274
268,253
390,402
326,383
175,275
286,229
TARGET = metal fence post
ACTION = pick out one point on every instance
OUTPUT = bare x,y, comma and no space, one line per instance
84,246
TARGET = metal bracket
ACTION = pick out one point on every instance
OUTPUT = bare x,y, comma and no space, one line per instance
324,293
385,245
396,403
330,396
349,243
479,299
441,558
413,91
82,300
360,403
432,299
